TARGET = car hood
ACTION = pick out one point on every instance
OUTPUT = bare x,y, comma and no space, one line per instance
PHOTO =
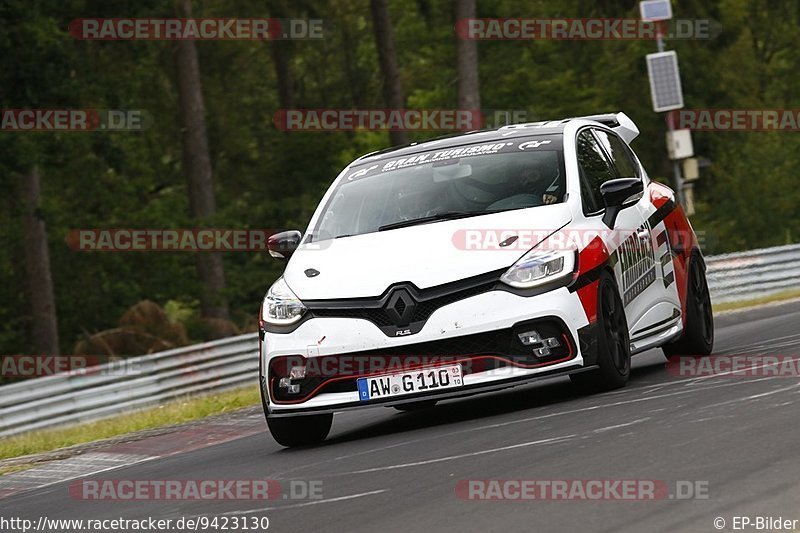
425,255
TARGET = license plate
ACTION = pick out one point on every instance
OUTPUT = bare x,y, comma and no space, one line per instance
421,380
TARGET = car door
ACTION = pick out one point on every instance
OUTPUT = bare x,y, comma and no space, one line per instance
629,242
638,265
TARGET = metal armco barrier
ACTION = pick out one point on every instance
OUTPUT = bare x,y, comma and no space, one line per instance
747,275
215,366
138,382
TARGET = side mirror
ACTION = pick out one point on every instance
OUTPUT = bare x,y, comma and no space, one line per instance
282,245
618,194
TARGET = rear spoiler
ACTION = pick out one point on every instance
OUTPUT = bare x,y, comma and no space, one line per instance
619,122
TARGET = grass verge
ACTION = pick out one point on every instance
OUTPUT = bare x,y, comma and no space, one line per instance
173,412
730,306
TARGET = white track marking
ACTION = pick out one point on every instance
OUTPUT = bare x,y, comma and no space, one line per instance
305,504
752,397
760,343
460,456
631,423
601,406
379,449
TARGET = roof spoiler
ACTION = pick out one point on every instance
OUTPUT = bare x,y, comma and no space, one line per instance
619,122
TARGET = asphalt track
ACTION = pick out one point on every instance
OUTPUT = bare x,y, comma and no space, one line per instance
384,471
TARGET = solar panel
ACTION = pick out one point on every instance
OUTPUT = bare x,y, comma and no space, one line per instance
665,81
656,9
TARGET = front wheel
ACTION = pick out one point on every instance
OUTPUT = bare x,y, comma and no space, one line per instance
613,342
698,336
300,430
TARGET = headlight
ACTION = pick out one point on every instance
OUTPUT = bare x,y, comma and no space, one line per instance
281,306
538,267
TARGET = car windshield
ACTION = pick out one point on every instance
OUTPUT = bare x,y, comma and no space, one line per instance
444,184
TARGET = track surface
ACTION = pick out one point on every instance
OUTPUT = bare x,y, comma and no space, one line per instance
385,471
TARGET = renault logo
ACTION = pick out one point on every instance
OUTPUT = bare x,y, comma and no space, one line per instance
400,307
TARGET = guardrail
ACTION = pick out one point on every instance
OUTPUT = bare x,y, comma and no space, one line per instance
743,276
134,383
215,366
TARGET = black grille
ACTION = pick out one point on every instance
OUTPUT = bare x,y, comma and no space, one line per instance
427,300
503,342
376,316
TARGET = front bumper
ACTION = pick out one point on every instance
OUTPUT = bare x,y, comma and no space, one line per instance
462,323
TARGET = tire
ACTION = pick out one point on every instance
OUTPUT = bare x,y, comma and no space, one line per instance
698,337
613,342
300,430
416,406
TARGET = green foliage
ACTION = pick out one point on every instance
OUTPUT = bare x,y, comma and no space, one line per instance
270,179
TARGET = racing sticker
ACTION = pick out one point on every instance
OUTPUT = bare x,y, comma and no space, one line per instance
638,263
452,155
665,253
532,144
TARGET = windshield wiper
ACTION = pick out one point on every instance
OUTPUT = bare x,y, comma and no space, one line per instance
448,215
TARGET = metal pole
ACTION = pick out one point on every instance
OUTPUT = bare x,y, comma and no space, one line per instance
676,167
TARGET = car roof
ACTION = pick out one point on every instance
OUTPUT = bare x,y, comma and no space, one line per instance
616,121
460,139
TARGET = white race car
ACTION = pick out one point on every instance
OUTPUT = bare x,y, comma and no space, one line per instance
471,263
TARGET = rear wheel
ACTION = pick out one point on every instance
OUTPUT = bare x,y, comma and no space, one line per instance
613,342
698,335
300,430
415,406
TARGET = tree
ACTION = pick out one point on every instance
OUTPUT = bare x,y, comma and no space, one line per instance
387,57
274,179
469,93
44,326
197,168
281,56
